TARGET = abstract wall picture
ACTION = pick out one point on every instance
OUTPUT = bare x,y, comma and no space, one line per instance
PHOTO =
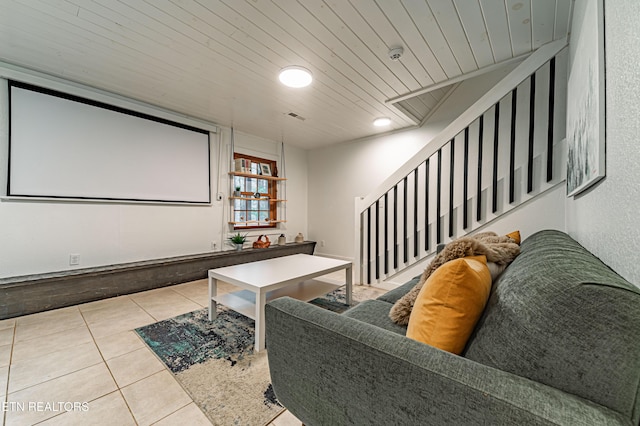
586,101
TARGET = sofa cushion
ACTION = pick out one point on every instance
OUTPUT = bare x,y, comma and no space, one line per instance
375,312
561,317
498,249
450,303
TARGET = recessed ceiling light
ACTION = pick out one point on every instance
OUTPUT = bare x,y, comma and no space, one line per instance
382,121
295,76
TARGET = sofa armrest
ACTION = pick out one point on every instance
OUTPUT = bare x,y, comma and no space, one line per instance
328,369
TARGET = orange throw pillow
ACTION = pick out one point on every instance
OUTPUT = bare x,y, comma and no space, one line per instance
450,304
515,236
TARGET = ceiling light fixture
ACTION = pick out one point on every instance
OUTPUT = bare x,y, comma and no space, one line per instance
382,121
295,76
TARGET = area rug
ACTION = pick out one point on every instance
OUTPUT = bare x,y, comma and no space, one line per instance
215,363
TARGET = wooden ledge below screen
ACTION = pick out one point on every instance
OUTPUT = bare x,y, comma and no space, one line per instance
29,294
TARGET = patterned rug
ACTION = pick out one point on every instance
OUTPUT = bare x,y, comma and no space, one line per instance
215,363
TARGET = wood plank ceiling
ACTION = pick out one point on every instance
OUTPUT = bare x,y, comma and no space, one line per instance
219,59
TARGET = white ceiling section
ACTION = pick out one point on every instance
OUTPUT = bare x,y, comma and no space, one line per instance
218,60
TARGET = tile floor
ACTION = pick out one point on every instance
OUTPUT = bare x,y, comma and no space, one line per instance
83,365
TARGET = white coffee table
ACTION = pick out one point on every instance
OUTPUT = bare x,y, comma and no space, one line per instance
266,280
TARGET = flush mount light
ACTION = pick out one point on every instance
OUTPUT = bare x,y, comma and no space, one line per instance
382,121
295,76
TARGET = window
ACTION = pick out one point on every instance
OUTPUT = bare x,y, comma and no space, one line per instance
255,199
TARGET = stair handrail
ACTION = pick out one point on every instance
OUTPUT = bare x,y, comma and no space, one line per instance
528,66
493,96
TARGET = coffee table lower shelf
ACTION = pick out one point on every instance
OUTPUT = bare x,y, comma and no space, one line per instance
244,301
301,276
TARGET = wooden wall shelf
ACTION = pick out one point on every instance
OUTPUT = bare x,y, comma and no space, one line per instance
251,175
248,196
271,200
258,222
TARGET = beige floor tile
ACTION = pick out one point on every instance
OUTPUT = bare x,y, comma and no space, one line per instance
224,288
102,303
197,291
46,323
189,415
151,294
134,366
173,310
33,371
5,356
164,303
108,410
7,323
119,344
112,310
59,314
43,345
4,377
42,373
285,419
121,324
155,397
6,336
81,386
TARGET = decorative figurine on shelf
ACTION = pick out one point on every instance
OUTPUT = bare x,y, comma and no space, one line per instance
299,238
262,244
282,240
237,192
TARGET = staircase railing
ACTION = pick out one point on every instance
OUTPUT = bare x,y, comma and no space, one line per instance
502,151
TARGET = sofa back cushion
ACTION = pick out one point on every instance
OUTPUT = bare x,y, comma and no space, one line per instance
561,317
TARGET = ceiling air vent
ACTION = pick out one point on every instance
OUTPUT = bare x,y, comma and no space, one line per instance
294,115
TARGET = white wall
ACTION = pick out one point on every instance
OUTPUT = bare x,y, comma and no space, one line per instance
605,219
339,173
38,236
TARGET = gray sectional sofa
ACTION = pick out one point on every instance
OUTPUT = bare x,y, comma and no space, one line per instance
558,343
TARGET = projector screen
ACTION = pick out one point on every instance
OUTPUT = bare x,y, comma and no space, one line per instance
63,146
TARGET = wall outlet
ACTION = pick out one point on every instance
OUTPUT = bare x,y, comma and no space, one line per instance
321,243
74,259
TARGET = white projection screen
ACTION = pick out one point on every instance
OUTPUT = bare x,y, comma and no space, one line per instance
62,146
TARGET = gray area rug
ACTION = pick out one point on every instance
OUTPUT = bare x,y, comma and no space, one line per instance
215,363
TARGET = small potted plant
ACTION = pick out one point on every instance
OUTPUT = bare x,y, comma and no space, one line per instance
237,192
238,240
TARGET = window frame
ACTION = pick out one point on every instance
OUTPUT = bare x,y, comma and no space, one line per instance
272,193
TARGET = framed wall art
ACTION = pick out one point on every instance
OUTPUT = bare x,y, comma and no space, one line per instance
265,169
586,99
